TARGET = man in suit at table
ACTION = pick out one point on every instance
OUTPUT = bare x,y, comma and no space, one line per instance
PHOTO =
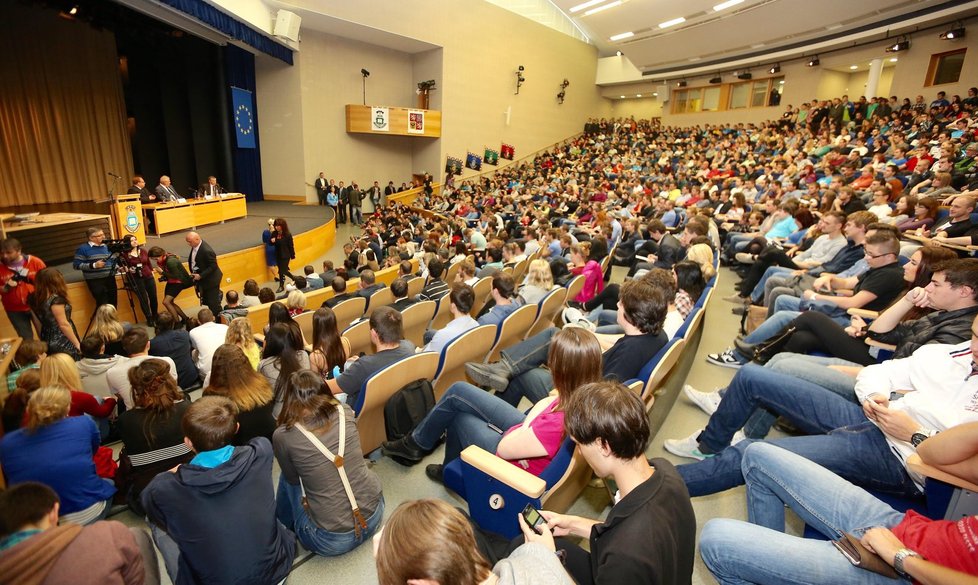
207,274
165,191
139,188
322,187
210,188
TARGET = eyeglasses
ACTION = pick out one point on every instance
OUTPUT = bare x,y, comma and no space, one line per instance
868,255
98,235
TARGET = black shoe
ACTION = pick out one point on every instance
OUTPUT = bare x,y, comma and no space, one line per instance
280,289
739,310
435,472
744,347
403,449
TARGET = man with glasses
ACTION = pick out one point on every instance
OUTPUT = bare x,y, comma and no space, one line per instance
94,260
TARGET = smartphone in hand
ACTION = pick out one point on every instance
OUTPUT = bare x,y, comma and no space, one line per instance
533,517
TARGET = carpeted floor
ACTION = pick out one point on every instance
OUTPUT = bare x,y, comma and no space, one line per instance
237,233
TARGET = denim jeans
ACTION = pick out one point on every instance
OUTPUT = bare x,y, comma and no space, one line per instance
289,511
602,317
470,416
768,329
853,448
739,553
757,295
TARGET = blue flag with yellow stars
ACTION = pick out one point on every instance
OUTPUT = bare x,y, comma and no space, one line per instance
244,117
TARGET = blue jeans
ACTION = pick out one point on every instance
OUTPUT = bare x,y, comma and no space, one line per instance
739,553
853,448
528,378
466,412
289,511
768,329
758,293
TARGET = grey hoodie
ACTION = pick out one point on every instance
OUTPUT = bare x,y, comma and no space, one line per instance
93,374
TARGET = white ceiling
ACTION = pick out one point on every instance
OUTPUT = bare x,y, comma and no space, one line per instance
751,30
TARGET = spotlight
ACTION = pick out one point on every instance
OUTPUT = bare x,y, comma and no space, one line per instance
74,10
813,61
365,73
519,78
619,53
563,87
716,79
899,46
521,68
681,83
775,69
744,75
954,33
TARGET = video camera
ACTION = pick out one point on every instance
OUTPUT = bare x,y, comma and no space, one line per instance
117,246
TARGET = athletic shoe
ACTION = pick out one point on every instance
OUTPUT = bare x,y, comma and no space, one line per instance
726,359
738,437
582,324
739,310
745,258
495,376
737,299
708,402
688,447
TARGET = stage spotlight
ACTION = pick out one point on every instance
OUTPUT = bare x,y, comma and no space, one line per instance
681,83
519,79
954,33
775,69
813,61
899,46
365,73
744,75
619,53
716,79
74,10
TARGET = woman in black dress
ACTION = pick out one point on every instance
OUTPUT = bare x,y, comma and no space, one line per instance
49,301
284,250
141,270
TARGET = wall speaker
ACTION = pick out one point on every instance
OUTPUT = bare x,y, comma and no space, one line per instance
287,25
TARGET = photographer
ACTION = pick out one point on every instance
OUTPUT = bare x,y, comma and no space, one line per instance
94,259
176,278
17,272
140,277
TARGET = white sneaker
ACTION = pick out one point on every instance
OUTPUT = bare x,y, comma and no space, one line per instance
738,437
688,447
708,402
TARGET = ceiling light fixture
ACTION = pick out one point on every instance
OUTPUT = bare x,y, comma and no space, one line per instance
727,4
716,79
622,97
605,7
854,67
638,95
672,22
899,46
584,5
622,36
954,33
681,83
73,11
813,61
776,68
893,59
744,75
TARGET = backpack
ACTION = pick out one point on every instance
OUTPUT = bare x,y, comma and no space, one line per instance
407,407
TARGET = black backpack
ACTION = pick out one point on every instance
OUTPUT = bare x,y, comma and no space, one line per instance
407,407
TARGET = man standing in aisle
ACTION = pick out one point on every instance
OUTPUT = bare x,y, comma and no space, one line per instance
375,194
322,187
344,194
93,259
356,202
207,274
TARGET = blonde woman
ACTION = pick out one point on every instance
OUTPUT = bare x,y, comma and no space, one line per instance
539,282
57,450
60,370
107,327
240,334
296,303
702,254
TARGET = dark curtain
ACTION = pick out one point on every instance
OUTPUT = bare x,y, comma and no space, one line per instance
240,72
176,97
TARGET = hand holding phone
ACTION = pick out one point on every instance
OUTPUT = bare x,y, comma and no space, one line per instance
534,519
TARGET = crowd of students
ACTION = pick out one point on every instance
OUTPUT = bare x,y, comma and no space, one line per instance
784,202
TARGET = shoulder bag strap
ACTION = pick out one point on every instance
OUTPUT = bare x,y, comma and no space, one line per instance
358,521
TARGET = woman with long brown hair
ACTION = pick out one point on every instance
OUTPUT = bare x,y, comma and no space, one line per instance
471,416
151,432
312,499
328,348
281,238
50,304
233,377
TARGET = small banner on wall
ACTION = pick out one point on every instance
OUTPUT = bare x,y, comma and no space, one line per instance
380,120
507,151
416,121
491,157
453,165
244,117
473,161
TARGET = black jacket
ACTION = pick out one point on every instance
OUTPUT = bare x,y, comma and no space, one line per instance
206,260
670,251
945,327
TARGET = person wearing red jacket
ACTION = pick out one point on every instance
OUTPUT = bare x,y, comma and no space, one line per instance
17,271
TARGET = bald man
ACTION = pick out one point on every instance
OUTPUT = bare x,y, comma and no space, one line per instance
165,191
206,273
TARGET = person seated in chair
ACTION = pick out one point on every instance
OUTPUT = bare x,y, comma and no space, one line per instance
399,288
461,298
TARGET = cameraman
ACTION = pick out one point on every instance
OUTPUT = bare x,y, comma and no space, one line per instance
93,258
17,272
140,270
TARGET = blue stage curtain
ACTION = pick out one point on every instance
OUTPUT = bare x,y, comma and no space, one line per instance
232,27
239,67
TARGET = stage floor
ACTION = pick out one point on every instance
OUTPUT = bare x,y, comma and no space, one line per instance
233,235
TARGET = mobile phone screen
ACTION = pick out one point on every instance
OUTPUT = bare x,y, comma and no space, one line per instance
532,517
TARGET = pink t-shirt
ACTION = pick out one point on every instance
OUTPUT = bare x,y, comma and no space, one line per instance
548,427
949,544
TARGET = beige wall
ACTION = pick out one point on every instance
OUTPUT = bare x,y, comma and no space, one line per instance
639,108
280,130
475,71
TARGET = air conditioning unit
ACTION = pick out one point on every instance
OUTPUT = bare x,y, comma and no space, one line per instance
287,25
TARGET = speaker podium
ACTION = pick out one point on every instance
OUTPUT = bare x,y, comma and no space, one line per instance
127,217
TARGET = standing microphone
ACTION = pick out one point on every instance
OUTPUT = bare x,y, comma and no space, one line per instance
111,174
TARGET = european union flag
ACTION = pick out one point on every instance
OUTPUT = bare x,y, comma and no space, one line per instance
244,117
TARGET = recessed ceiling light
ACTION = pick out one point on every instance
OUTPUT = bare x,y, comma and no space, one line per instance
623,35
655,94
781,82
727,4
600,8
638,95
584,5
622,97
74,11
893,59
854,67
672,22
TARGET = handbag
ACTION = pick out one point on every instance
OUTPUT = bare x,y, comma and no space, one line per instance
359,524
768,349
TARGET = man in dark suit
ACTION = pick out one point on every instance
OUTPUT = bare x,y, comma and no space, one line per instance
322,187
344,199
339,292
390,189
210,188
165,191
207,274
139,188
355,196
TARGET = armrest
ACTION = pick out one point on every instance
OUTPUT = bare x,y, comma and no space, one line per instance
916,465
504,471
865,314
259,338
881,345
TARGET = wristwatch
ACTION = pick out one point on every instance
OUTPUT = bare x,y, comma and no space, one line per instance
920,436
900,557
